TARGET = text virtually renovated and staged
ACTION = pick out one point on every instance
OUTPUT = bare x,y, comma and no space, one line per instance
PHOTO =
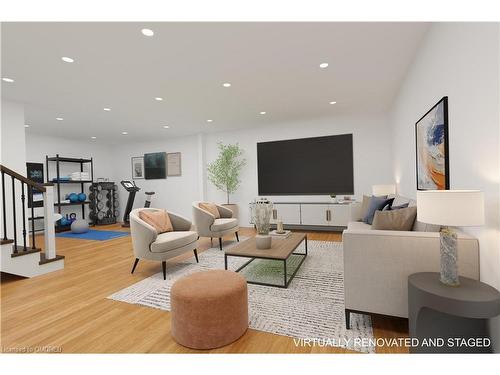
250,187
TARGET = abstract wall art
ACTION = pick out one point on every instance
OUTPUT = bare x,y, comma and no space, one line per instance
431,137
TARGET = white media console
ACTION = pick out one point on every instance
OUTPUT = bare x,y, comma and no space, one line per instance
314,215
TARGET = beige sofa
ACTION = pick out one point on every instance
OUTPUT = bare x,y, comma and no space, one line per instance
377,263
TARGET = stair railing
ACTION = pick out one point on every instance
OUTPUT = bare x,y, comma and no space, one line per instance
48,206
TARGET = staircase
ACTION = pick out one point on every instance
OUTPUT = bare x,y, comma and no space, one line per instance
18,256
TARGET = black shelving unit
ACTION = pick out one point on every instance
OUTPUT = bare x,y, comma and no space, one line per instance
59,159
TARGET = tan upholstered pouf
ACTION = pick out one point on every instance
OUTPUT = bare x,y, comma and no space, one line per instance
209,309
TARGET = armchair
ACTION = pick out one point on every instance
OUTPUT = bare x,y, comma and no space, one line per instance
207,225
150,245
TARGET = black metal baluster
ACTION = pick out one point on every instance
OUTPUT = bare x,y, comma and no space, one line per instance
4,208
32,218
14,212
23,201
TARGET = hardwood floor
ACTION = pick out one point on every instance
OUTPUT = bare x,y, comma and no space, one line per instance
68,311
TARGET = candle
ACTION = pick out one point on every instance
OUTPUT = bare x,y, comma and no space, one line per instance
279,226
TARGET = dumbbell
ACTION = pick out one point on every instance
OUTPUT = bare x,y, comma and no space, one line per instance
101,205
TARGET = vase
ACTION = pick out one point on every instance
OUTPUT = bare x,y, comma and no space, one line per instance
233,207
263,241
261,216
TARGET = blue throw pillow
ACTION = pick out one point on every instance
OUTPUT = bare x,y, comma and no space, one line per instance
376,203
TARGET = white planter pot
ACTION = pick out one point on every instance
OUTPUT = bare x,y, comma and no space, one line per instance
263,242
234,208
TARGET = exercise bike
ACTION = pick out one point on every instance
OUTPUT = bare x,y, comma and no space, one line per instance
132,189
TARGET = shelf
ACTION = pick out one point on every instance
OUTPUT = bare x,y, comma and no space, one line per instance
71,203
73,182
69,160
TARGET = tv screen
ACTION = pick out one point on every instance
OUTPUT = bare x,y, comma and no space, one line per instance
307,166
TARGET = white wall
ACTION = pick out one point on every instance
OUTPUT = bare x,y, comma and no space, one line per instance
13,157
174,193
371,144
461,61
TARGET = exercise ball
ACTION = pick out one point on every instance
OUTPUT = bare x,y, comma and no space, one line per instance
73,197
82,197
79,226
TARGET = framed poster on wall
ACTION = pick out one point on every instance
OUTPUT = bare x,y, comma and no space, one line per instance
174,164
137,167
155,165
432,155
34,172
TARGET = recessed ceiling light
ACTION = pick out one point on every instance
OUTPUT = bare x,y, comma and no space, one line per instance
323,65
93,137
210,120
166,126
158,99
67,59
124,133
147,32
227,84
5,79
26,126
59,118
263,113
107,109
333,102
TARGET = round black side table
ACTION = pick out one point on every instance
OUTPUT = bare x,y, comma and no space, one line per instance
446,319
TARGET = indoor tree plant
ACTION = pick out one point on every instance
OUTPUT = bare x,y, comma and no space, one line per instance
224,172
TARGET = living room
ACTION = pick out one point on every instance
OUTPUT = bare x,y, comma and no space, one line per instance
314,181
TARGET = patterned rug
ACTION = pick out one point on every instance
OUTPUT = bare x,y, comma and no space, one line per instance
311,308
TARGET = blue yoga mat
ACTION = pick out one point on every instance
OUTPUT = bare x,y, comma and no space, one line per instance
96,235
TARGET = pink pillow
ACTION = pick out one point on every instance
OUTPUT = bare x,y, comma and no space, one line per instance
211,208
158,219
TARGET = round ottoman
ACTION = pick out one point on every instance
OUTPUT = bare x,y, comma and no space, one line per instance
209,309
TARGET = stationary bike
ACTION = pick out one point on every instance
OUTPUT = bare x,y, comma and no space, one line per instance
132,189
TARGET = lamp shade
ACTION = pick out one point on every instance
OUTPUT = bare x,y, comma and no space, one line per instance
379,190
457,208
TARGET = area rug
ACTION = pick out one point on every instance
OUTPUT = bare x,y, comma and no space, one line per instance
311,309
95,235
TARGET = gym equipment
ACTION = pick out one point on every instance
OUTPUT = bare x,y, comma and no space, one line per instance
73,197
103,199
82,197
79,226
72,217
132,189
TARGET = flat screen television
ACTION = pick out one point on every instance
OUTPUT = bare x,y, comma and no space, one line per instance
307,166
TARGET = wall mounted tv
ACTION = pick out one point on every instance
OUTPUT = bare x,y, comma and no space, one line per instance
307,166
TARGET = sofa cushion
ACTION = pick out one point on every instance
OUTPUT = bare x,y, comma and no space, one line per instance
173,240
418,226
358,225
364,205
211,208
224,224
158,219
393,207
376,203
401,219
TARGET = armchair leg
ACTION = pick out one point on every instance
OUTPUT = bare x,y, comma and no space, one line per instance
347,319
220,243
237,237
135,264
211,241
196,255
164,268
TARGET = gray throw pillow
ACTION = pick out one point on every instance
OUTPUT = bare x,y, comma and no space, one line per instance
401,219
376,203
399,207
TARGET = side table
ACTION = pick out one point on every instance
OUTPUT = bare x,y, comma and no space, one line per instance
447,319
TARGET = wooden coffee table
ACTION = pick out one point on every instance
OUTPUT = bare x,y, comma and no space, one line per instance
281,249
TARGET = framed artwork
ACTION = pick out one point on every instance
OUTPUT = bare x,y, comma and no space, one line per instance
155,165
174,164
137,167
432,155
34,172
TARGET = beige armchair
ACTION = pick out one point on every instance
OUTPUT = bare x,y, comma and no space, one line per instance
150,245
208,225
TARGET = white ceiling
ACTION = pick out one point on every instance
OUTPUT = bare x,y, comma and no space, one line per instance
272,67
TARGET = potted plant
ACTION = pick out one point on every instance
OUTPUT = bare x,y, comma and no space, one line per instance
224,172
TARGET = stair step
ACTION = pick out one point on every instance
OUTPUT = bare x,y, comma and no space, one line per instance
7,241
44,260
20,251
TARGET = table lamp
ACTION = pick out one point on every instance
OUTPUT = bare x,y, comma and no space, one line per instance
450,208
381,190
